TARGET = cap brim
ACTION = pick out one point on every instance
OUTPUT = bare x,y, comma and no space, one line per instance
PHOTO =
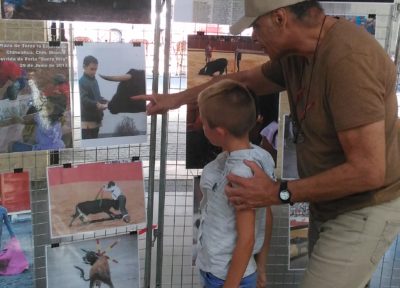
241,24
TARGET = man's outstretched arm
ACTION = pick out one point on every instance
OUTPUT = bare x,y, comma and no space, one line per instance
253,78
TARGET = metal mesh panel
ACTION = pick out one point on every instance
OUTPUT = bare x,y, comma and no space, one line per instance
177,241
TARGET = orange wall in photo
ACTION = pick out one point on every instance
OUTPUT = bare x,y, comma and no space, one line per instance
15,191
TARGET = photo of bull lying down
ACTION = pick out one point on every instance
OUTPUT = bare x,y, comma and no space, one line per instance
106,262
219,65
96,197
103,205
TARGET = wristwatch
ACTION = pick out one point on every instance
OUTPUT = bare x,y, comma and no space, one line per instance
284,193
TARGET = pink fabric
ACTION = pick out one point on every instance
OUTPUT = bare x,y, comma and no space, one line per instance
12,258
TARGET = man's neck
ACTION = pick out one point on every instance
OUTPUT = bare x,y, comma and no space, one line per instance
306,39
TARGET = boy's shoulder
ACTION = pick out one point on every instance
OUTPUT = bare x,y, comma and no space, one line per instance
218,163
256,154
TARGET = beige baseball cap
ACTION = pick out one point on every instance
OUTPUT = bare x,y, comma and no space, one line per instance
256,8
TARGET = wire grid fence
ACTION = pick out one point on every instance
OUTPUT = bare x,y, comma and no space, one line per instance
177,269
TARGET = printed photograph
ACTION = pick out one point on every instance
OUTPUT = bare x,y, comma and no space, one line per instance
122,11
209,56
16,242
368,22
289,158
105,262
95,196
35,111
299,212
109,75
298,230
197,196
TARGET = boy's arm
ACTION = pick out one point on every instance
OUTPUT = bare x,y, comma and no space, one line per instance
245,222
261,257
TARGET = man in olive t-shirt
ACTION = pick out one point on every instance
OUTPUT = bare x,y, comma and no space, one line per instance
341,87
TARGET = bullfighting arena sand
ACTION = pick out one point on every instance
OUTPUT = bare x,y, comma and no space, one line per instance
196,61
63,199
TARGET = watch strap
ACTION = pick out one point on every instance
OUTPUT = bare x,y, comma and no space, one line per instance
283,186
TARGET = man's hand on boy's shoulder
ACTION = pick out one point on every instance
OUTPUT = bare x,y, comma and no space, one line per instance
257,191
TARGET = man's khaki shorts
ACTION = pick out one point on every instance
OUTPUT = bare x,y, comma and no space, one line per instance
348,249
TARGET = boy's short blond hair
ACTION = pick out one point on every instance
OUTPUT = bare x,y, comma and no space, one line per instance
230,105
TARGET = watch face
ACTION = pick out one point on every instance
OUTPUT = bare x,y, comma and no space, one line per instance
284,195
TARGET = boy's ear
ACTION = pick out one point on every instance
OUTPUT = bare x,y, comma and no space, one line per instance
221,131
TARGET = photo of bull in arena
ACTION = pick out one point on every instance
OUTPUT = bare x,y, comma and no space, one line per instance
105,262
84,199
103,205
100,268
123,11
222,60
219,65
106,88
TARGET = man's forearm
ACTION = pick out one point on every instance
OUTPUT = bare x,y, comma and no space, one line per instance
190,95
338,182
364,169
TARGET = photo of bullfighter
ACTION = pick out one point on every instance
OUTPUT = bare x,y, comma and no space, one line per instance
199,151
106,84
121,11
35,112
83,199
118,197
105,262
16,237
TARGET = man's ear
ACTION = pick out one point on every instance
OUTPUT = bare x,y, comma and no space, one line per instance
279,17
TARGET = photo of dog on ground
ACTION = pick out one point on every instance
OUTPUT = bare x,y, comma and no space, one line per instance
95,196
106,262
